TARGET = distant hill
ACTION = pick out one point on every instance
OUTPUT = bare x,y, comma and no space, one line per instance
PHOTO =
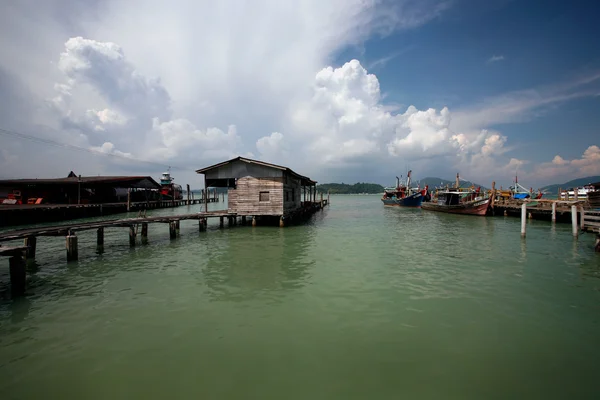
343,188
553,189
438,182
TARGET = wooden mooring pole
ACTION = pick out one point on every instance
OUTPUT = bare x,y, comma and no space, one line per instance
574,220
144,232
523,219
188,194
132,236
582,224
172,230
553,211
72,252
100,237
30,242
129,199
18,275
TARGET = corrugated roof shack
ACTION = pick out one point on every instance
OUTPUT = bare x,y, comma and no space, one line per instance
263,190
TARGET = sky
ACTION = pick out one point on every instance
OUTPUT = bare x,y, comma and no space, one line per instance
338,90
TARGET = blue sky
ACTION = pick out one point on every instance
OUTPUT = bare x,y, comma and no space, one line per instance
341,90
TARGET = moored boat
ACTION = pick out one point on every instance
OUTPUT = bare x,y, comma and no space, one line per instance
168,189
403,195
457,200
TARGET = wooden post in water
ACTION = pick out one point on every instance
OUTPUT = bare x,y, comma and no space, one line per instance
254,221
100,237
131,236
177,226
128,199
553,211
582,224
72,253
243,220
493,196
202,224
30,242
574,220
321,200
327,196
172,230
205,200
523,219
188,194
144,232
230,221
281,222
221,222
18,276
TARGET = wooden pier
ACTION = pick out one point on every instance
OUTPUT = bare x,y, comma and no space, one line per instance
590,222
20,254
23,214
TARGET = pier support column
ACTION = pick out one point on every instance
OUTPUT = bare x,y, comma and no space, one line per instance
17,274
254,221
100,240
230,221
172,230
144,232
574,220
582,224
177,227
243,220
72,252
221,222
281,222
132,236
202,222
30,242
523,219
597,245
235,221
553,212
321,200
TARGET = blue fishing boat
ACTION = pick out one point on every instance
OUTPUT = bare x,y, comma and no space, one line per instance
403,195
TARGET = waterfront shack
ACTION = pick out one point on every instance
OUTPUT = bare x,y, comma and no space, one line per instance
263,190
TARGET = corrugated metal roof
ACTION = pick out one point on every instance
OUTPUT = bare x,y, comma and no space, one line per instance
250,161
127,181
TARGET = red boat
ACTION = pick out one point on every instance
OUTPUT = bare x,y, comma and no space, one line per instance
459,201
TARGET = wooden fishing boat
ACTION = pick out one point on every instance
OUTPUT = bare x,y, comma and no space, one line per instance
457,200
403,195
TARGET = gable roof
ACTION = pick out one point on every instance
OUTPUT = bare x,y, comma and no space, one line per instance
305,179
117,181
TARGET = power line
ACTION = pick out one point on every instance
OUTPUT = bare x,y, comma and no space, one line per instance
54,143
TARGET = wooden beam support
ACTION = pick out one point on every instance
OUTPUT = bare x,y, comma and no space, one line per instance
132,236
30,242
202,223
281,222
574,220
72,251
221,222
554,211
254,221
18,275
243,220
177,226
172,230
523,219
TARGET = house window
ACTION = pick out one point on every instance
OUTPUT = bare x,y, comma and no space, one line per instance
263,196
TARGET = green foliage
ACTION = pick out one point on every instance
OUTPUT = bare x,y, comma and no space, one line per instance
343,188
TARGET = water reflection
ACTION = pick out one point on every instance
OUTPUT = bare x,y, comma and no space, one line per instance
261,261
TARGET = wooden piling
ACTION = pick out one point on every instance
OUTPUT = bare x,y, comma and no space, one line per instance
72,252
221,222
523,219
554,211
188,194
129,199
574,220
230,221
132,236
254,221
18,277
243,220
202,224
172,230
144,232
597,244
328,197
177,226
30,242
281,222
582,213
100,237
321,200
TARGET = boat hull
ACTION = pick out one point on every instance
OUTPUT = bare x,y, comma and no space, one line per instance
414,200
478,207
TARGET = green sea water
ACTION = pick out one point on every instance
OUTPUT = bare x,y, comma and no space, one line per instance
361,302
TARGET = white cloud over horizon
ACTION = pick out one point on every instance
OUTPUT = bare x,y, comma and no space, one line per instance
197,83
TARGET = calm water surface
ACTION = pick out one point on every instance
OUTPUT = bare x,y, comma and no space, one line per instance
363,302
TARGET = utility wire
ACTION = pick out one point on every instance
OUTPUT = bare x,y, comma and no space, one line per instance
54,143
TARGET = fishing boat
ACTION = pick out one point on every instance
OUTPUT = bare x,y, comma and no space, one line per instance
168,189
458,200
582,192
403,195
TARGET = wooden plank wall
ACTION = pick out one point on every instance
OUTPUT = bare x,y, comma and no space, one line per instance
293,189
244,199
